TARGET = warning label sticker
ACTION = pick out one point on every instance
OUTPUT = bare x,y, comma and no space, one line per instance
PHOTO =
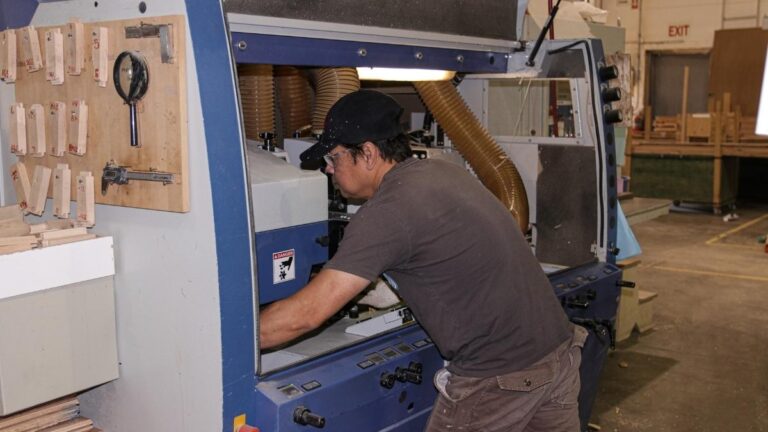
283,266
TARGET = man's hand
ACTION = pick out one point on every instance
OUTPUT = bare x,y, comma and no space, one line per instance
309,308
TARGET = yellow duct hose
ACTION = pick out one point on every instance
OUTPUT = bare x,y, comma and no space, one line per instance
257,95
295,97
476,145
330,85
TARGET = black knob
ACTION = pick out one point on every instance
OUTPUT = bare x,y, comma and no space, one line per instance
608,73
591,294
577,303
611,94
405,374
416,367
613,116
387,380
625,284
305,417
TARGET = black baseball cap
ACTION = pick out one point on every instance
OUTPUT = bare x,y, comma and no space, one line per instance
364,115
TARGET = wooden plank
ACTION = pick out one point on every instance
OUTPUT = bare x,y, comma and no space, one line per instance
717,175
78,127
63,233
78,424
99,54
648,119
162,116
17,240
15,248
14,228
62,182
37,197
736,63
44,421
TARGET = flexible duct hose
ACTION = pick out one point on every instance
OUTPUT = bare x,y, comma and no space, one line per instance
295,97
476,145
257,95
330,85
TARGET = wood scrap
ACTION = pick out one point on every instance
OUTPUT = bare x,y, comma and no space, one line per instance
63,233
11,212
15,248
78,424
17,240
57,406
13,228
65,240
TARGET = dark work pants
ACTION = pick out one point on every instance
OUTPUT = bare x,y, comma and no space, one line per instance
542,397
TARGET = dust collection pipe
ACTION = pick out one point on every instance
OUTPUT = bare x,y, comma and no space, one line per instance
295,96
257,95
476,145
330,85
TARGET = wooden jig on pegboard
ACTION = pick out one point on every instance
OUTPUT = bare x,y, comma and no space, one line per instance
69,108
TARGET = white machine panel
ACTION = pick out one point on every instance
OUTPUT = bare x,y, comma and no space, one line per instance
283,195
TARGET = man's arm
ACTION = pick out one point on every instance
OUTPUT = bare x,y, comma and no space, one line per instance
306,310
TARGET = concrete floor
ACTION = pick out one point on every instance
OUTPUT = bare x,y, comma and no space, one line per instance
704,367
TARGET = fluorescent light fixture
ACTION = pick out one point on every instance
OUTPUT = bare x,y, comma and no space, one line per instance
762,111
397,74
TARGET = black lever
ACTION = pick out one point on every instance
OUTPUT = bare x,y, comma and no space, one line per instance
303,416
532,58
625,284
407,374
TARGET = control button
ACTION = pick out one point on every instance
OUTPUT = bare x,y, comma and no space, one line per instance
608,271
365,364
289,390
376,358
390,353
560,286
592,277
310,385
429,340
420,343
403,348
573,285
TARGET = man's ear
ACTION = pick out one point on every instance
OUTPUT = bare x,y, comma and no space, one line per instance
370,154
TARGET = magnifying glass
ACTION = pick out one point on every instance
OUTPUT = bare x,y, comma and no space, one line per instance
131,78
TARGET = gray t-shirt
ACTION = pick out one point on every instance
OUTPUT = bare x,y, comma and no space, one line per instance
460,262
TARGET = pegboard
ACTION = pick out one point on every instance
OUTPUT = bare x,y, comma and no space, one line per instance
162,115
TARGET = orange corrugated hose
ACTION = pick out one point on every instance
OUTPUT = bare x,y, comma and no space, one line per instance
475,144
257,94
295,97
330,85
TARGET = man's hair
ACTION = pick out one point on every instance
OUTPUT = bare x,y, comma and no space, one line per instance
395,149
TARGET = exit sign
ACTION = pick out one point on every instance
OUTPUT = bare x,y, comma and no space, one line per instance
678,30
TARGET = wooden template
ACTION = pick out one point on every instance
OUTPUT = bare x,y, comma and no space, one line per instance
86,212
99,55
162,116
21,184
78,127
54,56
62,179
18,128
8,56
37,197
75,42
57,128
36,131
30,49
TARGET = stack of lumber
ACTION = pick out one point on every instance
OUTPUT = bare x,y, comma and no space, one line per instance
16,235
61,415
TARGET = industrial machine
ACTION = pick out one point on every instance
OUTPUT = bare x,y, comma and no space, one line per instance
258,225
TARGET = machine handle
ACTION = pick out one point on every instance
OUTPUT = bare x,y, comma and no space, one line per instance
577,303
625,284
303,416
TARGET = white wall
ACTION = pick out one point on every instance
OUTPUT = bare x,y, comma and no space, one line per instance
659,25
166,284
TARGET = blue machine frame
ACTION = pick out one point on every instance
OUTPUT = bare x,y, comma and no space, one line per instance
273,399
